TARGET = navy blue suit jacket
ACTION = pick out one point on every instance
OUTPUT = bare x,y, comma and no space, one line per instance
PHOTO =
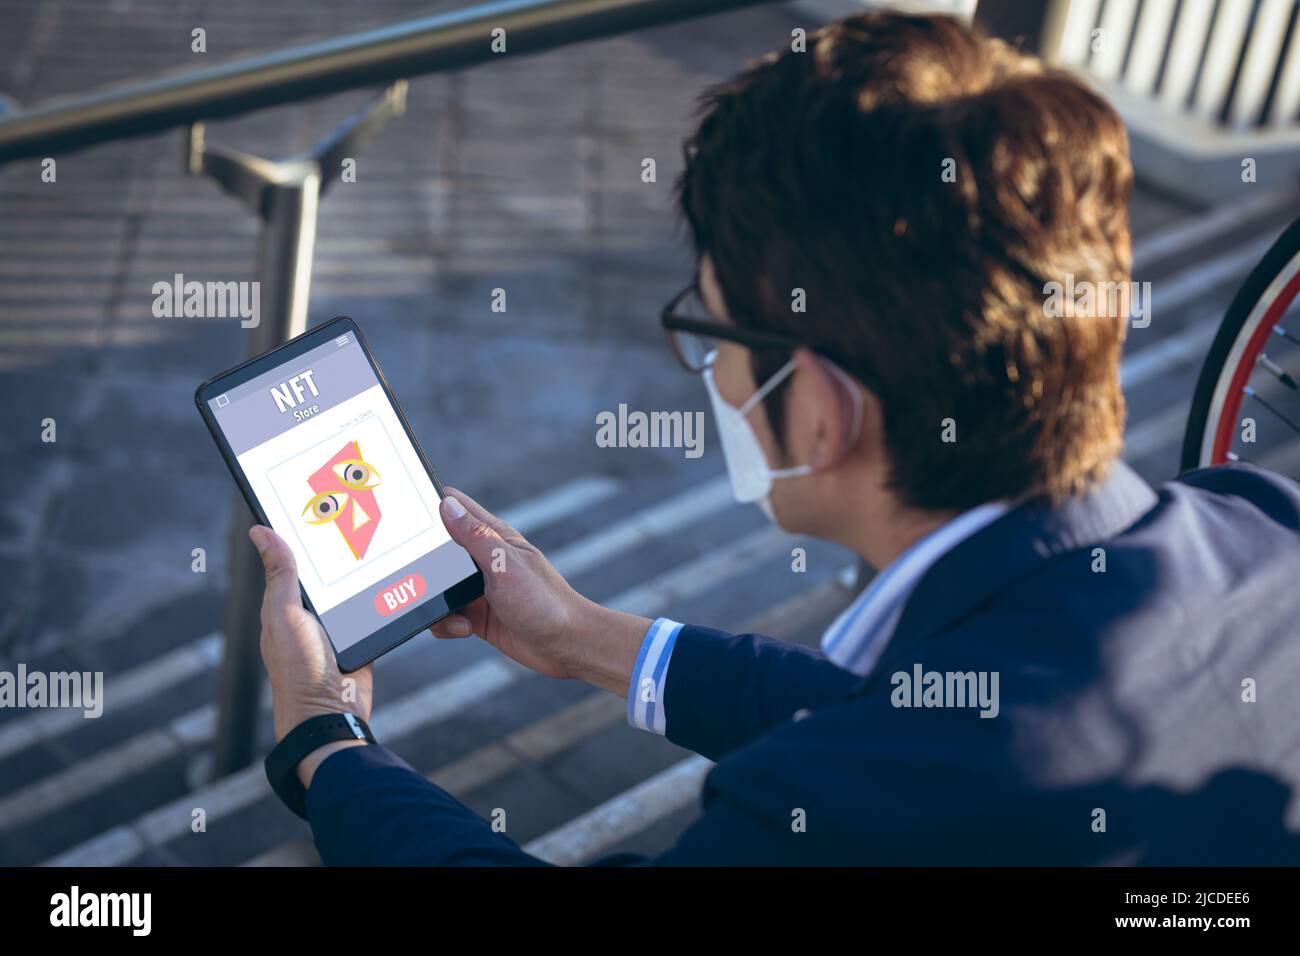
1149,713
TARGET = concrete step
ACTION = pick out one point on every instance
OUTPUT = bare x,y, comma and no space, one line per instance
121,763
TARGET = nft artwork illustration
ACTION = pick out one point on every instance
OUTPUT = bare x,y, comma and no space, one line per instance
344,495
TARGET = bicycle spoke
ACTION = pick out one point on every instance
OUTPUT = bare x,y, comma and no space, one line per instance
1276,370
1285,334
1251,393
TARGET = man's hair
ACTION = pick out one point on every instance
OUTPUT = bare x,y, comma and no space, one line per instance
825,171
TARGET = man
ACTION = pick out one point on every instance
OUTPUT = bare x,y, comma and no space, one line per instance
1056,664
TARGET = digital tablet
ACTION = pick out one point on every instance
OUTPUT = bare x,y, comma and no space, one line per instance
323,455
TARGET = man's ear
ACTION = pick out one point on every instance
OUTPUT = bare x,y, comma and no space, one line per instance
833,412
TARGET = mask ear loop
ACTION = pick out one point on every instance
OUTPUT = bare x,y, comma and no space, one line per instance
781,375
847,381
858,410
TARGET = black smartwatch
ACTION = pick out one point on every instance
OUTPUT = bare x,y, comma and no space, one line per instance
282,762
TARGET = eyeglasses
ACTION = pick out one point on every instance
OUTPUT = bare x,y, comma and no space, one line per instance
694,336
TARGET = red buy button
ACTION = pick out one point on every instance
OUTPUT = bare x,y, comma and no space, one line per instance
400,594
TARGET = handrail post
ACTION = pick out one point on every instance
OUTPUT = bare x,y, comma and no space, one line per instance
285,195
284,272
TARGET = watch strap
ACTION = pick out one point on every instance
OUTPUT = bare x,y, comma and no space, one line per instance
282,762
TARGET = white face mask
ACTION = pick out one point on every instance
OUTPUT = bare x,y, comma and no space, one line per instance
751,478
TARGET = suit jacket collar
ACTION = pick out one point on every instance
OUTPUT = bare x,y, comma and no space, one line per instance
1012,546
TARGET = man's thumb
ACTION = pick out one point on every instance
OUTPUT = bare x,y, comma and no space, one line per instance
470,532
281,570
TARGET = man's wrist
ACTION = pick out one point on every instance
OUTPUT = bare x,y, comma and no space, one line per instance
288,717
301,712
606,645
292,763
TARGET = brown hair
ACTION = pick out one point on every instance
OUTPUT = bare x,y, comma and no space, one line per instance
824,171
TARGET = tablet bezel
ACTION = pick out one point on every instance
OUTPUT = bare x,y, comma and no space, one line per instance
419,618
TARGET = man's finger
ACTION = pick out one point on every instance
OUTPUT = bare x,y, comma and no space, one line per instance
281,570
471,532
453,625
497,524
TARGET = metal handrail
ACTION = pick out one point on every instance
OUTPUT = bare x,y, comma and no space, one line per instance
285,194
368,58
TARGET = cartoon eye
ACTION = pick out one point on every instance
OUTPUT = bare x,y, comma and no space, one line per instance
356,474
326,506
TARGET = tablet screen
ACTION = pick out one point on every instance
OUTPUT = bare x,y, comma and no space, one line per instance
333,469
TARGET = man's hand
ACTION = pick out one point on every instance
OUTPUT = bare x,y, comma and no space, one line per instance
529,612
305,678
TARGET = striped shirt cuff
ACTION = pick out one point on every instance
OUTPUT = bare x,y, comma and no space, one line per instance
645,693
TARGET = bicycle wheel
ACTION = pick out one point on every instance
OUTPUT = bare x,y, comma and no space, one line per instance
1246,406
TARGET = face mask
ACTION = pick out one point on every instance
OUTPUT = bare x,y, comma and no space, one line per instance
751,478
